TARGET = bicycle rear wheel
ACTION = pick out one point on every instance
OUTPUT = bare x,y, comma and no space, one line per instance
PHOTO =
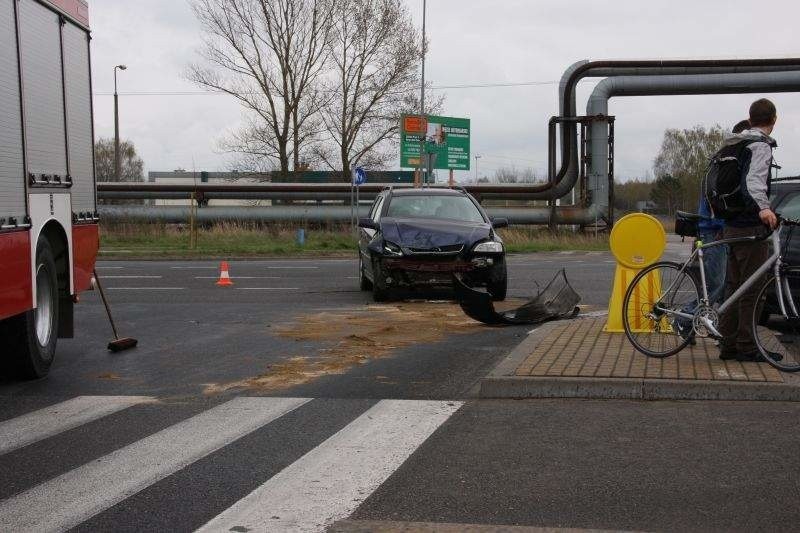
651,328
777,336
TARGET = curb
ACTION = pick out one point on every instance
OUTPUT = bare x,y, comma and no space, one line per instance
501,383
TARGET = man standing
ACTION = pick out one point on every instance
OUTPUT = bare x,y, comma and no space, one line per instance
711,229
715,258
746,257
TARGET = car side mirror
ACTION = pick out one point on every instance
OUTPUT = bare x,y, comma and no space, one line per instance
499,222
367,223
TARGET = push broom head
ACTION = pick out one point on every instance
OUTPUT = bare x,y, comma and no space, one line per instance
124,343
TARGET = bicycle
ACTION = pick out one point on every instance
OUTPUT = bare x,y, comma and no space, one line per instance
656,306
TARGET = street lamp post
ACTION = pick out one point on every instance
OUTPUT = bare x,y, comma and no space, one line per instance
476,167
117,160
423,158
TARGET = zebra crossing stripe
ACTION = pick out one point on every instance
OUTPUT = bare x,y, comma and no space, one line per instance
44,423
330,481
72,498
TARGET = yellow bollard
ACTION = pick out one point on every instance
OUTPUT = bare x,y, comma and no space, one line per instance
637,241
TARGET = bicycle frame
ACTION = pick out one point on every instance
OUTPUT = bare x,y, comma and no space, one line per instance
774,262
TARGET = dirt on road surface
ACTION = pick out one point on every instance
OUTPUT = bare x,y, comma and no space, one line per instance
355,337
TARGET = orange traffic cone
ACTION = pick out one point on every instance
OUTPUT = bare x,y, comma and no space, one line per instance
224,278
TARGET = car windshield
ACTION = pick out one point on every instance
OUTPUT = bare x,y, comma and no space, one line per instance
434,206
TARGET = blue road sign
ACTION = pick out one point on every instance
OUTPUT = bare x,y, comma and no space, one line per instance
359,176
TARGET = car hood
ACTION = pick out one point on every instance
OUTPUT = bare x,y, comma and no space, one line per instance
431,233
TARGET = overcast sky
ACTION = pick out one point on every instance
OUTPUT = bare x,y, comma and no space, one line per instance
471,42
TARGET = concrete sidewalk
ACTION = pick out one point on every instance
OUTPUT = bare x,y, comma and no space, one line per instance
576,359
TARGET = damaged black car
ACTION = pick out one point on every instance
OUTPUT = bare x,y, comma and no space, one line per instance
417,238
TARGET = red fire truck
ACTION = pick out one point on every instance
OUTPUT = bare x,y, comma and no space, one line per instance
48,215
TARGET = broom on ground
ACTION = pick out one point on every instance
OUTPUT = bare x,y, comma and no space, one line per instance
118,344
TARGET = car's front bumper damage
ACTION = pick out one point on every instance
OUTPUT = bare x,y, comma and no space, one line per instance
412,271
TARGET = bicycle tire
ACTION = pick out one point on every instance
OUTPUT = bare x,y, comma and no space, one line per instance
654,327
780,334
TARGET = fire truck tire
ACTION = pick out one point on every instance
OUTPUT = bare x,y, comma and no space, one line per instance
32,335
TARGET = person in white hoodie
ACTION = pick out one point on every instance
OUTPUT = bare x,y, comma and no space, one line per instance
757,219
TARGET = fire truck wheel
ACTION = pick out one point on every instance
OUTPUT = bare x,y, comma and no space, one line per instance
33,334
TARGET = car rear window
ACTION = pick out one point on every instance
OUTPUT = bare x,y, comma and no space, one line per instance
446,207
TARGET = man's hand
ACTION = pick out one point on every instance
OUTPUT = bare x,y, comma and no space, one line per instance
768,217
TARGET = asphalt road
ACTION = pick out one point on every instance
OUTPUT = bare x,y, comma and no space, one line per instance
192,333
193,427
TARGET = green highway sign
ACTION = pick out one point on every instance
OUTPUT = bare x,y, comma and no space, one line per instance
447,138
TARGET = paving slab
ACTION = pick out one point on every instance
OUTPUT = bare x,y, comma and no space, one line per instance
577,359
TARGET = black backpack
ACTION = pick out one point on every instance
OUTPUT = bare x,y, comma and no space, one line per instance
722,185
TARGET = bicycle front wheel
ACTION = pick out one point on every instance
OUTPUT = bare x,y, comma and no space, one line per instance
648,311
777,336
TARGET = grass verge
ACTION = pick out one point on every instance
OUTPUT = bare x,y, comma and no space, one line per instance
237,240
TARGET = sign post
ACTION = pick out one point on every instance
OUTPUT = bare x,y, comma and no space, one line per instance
446,142
359,178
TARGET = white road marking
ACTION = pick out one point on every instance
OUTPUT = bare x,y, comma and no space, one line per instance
44,423
330,481
239,277
292,268
194,268
267,288
74,497
98,267
567,252
132,277
147,288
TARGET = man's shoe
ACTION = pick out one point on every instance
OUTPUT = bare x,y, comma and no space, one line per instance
727,356
756,357
685,330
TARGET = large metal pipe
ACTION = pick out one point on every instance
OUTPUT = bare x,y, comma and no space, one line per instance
729,83
562,182
188,188
277,190
297,214
265,195
667,85
491,192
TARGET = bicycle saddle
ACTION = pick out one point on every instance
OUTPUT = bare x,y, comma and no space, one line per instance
691,216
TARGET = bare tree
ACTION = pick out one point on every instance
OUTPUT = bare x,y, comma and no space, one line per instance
512,174
269,55
375,54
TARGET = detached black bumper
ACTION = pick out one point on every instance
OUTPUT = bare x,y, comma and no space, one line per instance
557,300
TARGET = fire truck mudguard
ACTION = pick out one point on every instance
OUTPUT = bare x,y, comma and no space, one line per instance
557,300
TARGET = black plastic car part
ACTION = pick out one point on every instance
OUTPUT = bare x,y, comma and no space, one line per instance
557,300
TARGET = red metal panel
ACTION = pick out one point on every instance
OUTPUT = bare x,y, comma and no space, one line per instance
85,243
16,285
78,10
